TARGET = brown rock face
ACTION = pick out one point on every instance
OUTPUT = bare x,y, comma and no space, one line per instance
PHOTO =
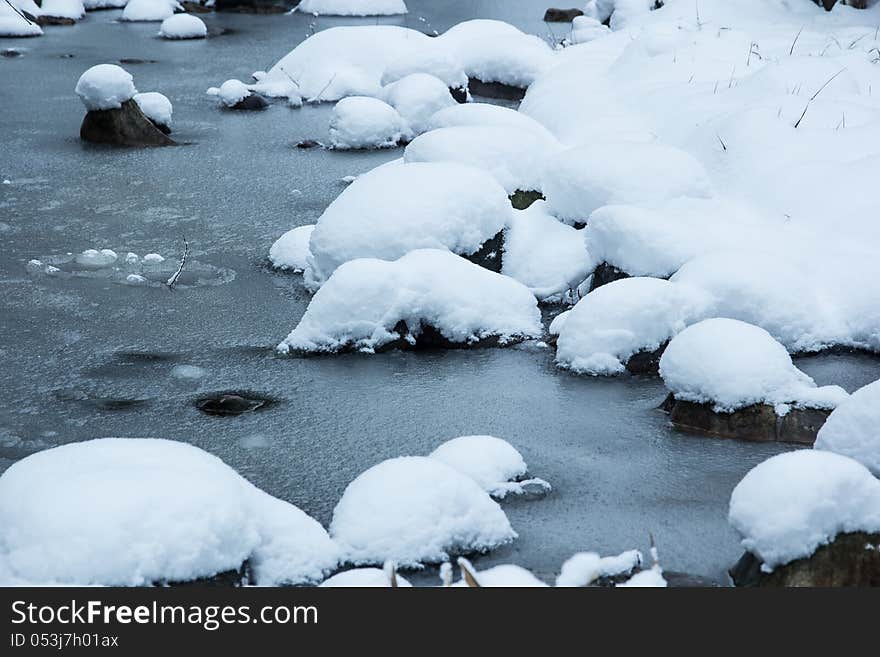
124,126
490,254
554,15
850,560
605,274
495,90
522,199
758,422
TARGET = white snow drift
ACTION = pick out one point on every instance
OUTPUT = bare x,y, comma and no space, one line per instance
13,25
584,568
105,86
352,7
291,250
72,9
853,428
149,10
364,122
417,97
183,26
364,578
155,107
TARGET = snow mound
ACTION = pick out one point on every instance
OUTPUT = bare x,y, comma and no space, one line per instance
13,25
581,180
105,86
853,428
416,510
584,568
417,97
433,60
364,578
362,303
183,26
513,157
396,208
352,7
793,503
492,462
231,92
545,255
731,364
104,4
650,578
620,319
585,29
363,122
504,575
120,511
149,10
484,114
72,9
291,250
155,107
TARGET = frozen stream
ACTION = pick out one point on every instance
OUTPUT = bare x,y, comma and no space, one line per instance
85,356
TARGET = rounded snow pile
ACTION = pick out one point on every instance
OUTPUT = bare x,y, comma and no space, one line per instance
484,114
183,26
13,25
155,107
120,511
504,575
364,577
364,122
231,92
429,59
395,209
853,428
618,320
793,503
585,29
731,365
490,461
352,7
417,97
104,4
72,9
148,10
583,179
105,86
362,303
291,250
416,510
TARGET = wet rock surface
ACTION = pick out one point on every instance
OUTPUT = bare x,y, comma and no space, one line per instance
251,103
496,90
605,274
554,15
123,126
232,403
490,254
645,362
523,199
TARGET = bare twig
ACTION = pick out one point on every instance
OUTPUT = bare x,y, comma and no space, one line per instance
793,43
723,145
16,10
813,97
171,281
315,99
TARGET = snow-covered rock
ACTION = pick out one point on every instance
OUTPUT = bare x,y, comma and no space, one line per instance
364,122
291,250
155,107
417,97
236,95
396,208
793,503
731,365
485,114
618,320
119,511
13,25
183,26
431,59
71,9
364,302
853,428
545,255
92,5
585,29
148,10
416,510
650,578
96,258
364,577
584,568
493,463
505,576
105,86
352,7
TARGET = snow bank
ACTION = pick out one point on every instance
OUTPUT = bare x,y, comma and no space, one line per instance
793,503
72,9
104,4
416,510
432,60
183,26
105,86
149,10
13,25
364,122
417,97
731,364
650,578
394,209
364,577
363,301
513,157
545,255
492,462
617,320
505,575
352,7
135,511
484,114
291,250
853,428
584,568
585,29
581,180
155,107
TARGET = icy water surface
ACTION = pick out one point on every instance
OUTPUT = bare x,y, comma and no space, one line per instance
85,355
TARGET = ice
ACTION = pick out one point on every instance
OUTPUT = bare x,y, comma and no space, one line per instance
105,86
96,258
853,428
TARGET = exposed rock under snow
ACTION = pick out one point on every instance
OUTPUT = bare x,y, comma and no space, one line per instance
853,428
155,107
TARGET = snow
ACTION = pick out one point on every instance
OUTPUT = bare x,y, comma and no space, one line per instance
581,180
117,511
364,122
352,7
504,575
291,250
13,25
417,97
515,158
148,10
584,568
363,301
484,114
432,60
853,428
363,577
155,107
96,258
732,364
491,462
416,510
545,255
585,29
619,319
183,26
650,578
104,4
73,9
232,92
793,503
397,208
105,86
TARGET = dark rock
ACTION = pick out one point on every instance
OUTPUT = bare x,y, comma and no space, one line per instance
554,15
232,403
124,126
134,61
231,578
521,199
490,254
308,143
676,580
758,422
849,560
54,20
495,90
256,6
460,94
605,274
196,7
828,5
250,103
11,52
425,337
645,362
